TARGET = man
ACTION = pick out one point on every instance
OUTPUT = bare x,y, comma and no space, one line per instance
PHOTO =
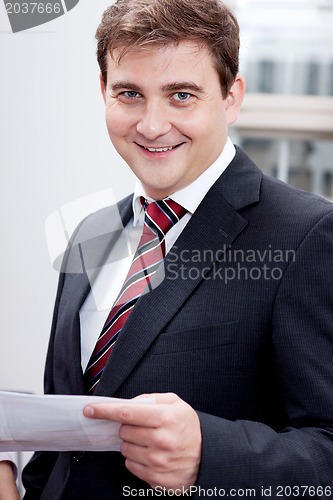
235,338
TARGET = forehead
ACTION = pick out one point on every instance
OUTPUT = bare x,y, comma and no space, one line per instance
184,61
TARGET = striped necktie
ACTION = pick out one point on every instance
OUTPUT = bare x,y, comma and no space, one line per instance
160,216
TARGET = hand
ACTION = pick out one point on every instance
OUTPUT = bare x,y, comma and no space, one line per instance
8,490
161,442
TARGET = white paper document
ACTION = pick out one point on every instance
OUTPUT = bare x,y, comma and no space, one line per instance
55,423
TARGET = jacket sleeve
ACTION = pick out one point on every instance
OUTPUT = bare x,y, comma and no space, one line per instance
296,460
36,473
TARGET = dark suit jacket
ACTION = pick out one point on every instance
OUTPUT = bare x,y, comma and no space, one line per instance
241,328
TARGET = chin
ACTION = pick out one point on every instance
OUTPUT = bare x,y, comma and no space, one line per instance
158,192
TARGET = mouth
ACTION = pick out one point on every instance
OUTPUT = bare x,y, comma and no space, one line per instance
159,150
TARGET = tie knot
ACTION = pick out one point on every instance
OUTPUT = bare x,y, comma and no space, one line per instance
161,215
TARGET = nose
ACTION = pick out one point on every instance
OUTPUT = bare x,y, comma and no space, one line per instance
154,121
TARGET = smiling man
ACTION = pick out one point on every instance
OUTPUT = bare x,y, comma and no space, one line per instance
236,351
167,127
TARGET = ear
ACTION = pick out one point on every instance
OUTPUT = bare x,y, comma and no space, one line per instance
235,98
102,85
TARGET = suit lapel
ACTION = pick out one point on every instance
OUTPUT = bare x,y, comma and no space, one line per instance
77,282
214,226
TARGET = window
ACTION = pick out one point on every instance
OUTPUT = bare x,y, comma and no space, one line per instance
286,124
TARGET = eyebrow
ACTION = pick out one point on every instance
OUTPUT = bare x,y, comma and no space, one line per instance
169,87
182,86
125,85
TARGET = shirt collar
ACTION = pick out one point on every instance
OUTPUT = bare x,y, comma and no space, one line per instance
190,196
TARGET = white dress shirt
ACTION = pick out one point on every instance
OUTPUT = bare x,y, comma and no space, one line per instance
111,276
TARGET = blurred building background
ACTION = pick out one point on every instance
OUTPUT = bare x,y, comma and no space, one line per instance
286,124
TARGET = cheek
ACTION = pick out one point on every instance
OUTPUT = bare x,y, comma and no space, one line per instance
214,127
208,133
118,123
200,125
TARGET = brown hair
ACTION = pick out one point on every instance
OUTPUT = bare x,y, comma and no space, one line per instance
131,24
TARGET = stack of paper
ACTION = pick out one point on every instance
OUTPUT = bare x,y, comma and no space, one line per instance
55,423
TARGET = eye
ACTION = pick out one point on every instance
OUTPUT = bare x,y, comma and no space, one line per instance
125,96
130,94
181,96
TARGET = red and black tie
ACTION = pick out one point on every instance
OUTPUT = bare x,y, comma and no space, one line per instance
160,216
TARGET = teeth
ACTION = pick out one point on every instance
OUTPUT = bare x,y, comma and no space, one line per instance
159,150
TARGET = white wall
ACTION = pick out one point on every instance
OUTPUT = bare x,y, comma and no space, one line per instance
54,149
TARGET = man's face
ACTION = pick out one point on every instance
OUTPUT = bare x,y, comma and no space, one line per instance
166,115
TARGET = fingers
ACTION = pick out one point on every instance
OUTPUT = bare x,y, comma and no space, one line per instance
143,415
161,442
146,437
140,415
161,398
136,435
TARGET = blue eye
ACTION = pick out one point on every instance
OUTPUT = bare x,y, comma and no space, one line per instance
182,96
131,94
